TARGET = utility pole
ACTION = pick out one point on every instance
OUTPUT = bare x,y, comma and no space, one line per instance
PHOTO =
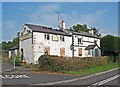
14,61
58,18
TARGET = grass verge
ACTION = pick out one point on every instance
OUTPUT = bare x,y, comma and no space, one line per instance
93,70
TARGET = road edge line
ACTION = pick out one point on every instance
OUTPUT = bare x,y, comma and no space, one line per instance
79,78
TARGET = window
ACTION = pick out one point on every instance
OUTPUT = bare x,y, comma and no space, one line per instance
95,41
96,52
47,36
80,52
89,52
62,38
79,41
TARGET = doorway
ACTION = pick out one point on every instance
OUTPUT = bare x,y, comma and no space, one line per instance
62,52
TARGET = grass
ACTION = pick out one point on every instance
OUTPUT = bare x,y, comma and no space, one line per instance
93,70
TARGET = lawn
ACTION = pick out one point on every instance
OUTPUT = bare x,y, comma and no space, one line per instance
93,70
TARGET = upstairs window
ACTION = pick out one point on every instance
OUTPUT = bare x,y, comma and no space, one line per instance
95,41
47,37
62,38
79,41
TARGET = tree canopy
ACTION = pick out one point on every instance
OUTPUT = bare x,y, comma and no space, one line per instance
9,44
84,28
110,46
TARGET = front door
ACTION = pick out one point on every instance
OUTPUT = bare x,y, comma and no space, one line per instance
47,50
62,51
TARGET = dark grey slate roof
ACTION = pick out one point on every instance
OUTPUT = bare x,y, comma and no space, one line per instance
90,47
85,34
14,47
43,29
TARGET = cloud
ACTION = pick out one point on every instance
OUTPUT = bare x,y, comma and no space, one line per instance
9,24
46,15
92,18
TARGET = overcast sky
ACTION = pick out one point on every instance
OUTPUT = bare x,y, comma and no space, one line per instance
102,15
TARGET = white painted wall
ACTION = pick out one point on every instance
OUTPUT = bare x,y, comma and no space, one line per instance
40,42
90,41
89,55
10,54
26,45
32,51
16,52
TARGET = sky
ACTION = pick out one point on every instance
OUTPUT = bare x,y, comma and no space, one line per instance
102,15
60,0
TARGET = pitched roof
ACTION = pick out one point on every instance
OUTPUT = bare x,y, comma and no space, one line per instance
44,29
14,47
85,34
91,47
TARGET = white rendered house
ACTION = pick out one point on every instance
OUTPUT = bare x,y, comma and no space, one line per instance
38,40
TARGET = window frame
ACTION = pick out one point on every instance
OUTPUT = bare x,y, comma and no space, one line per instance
79,41
62,38
95,41
80,50
47,36
89,52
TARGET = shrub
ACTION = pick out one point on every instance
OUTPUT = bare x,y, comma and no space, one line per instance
17,61
54,63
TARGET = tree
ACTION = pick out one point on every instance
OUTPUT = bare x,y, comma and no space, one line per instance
84,28
110,46
79,28
9,44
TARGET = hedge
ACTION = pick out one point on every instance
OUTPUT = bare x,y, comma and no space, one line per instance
55,63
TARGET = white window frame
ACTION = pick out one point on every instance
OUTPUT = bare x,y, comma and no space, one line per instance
46,36
62,38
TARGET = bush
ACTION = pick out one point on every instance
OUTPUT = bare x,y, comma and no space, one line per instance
53,63
17,61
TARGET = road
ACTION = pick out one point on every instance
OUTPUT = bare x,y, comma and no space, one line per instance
32,79
114,82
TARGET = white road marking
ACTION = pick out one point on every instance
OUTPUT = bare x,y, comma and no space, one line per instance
14,76
105,81
79,78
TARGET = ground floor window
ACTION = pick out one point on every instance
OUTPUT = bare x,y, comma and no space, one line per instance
89,52
80,52
62,51
47,50
96,52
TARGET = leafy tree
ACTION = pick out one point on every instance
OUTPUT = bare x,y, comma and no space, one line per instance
79,28
9,44
84,28
110,46
4,45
